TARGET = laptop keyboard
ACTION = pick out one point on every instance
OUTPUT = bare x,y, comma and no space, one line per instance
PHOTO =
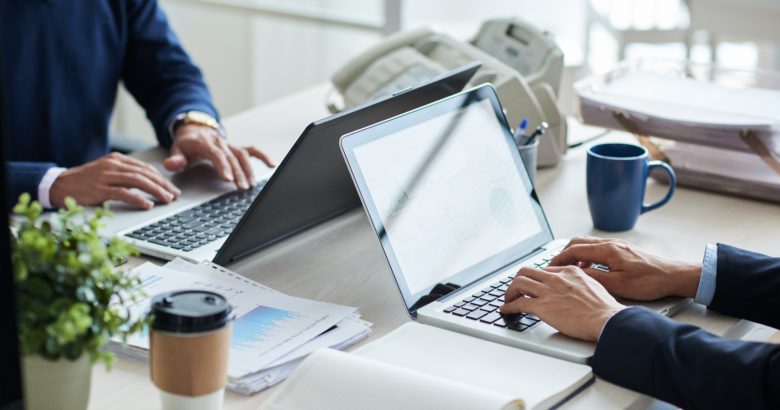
200,225
483,306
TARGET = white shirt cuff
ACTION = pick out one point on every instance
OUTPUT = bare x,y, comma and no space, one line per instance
45,186
709,271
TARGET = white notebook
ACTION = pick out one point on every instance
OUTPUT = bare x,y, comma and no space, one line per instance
424,367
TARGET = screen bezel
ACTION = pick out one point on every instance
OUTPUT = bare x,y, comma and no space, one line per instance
510,255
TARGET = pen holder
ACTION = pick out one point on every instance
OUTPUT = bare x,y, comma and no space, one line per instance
528,154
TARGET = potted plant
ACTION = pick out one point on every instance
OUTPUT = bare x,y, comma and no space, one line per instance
70,300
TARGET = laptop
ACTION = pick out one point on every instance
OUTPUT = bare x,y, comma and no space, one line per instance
210,221
456,215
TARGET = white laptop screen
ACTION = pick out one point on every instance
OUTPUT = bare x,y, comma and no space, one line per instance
447,193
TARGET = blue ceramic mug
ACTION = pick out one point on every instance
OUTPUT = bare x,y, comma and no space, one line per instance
616,180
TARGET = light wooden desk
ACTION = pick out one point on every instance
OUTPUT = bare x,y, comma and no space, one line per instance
340,261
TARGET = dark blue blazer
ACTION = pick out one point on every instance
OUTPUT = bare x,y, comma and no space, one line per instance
689,367
65,60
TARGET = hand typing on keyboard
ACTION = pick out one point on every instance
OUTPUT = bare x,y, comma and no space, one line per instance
566,298
633,273
192,142
112,176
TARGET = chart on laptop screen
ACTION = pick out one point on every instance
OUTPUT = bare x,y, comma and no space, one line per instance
448,192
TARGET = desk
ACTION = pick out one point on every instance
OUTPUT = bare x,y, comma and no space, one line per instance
340,261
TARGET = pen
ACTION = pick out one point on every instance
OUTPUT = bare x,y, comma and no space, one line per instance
538,132
520,133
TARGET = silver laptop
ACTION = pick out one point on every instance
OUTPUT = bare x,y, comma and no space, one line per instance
456,214
194,226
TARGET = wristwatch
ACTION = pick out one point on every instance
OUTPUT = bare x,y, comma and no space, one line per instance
197,117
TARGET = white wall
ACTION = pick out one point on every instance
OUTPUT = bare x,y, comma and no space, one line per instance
250,58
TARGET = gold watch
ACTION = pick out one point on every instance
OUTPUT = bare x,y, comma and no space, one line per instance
200,118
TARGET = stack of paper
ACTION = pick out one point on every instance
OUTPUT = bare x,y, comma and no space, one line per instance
720,169
272,332
681,108
719,132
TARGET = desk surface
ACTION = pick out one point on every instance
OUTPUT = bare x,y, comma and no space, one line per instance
340,261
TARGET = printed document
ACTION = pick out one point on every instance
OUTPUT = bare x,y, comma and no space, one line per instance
268,324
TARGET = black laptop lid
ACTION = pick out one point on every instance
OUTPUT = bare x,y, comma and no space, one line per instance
312,184
446,191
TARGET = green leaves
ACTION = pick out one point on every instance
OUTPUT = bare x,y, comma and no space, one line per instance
67,280
70,324
31,210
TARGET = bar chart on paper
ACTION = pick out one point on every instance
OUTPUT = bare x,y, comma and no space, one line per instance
260,326
265,333
268,324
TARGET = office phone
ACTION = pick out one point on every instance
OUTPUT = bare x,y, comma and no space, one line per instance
523,63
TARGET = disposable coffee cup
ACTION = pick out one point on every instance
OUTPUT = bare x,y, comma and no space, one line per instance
189,343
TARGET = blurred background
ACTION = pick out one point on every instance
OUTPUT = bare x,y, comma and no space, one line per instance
254,51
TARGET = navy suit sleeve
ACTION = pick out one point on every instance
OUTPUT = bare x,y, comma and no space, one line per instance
686,366
747,286
158,72
25,177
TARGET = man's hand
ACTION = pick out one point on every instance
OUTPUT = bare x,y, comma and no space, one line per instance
193,142
633,273
565,298
111,177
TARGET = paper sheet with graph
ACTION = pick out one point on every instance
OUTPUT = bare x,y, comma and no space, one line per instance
268,324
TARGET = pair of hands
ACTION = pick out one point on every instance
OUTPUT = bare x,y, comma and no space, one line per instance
575,297
114,175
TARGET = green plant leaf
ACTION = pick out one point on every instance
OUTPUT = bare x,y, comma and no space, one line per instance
85,294
21,207
66,280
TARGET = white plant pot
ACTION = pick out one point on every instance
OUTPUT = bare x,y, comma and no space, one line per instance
54,385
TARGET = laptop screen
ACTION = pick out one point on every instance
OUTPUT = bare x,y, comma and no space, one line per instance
447,193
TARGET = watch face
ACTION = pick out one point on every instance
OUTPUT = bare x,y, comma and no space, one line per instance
200,117
197,117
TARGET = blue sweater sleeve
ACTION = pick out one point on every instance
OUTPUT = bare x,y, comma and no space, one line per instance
686,366
25,177
158,72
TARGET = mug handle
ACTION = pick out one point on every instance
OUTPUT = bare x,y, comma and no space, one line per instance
672,183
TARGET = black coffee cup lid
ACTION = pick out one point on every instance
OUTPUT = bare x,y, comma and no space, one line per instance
189,311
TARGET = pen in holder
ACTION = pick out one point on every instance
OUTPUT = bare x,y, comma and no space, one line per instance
528,146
